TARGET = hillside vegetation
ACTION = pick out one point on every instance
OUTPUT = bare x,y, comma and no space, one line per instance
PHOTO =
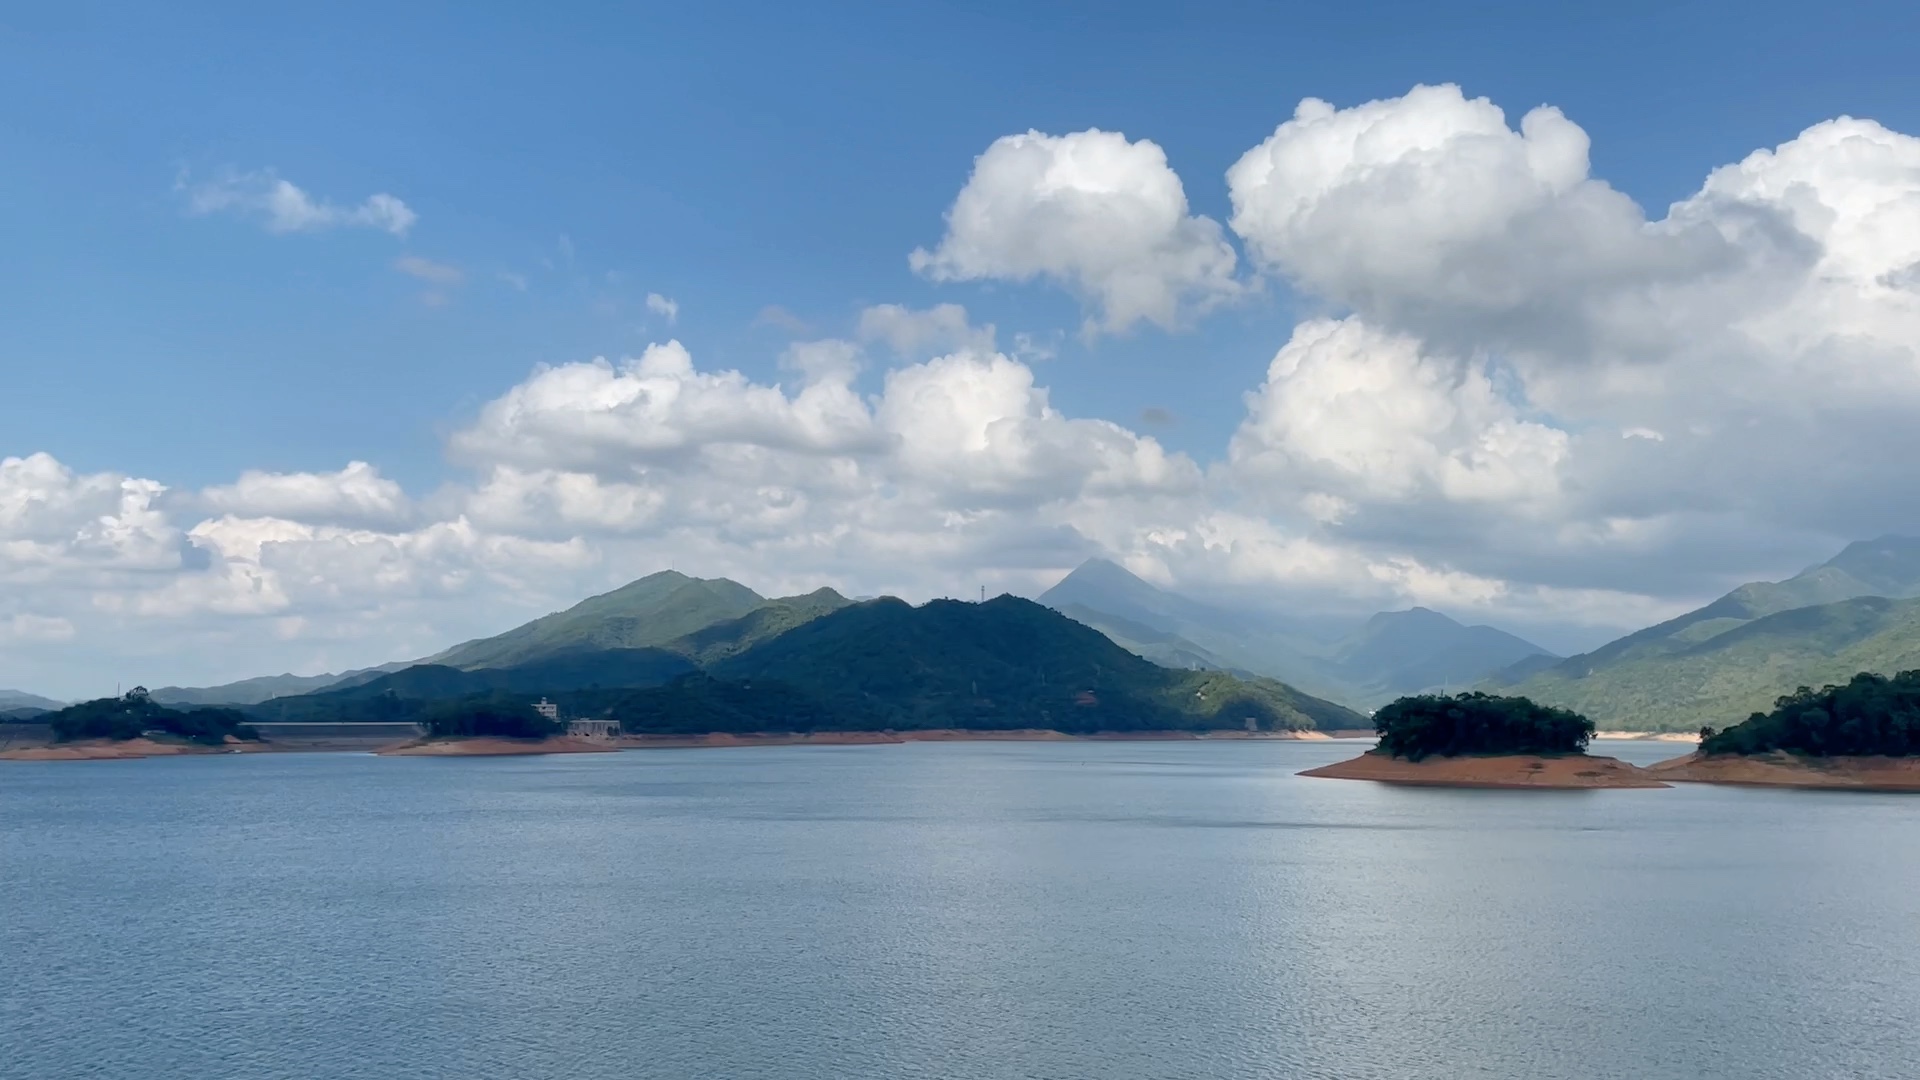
1868,715
652,611
1856,612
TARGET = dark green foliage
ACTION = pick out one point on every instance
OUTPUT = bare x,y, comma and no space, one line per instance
1870,714
128,717
1477,723
698,704
500,716
402,695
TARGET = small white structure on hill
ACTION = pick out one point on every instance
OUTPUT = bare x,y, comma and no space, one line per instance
547,709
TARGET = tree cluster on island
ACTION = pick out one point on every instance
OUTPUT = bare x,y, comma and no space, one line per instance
1868,715
135,714
1442,725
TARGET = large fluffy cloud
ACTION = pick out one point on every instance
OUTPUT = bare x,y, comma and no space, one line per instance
1106,217
1697,376
1352,413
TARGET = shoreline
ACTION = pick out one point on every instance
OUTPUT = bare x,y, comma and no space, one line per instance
135,749
125,750
1561,772
491,746
1649,736
1783,770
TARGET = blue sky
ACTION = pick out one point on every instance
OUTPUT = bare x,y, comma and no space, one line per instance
1559,412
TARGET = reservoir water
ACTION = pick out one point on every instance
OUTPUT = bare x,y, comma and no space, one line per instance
1068,910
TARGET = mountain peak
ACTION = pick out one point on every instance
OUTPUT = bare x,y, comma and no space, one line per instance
1413,617
1888,564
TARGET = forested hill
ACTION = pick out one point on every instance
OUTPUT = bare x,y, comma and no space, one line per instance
1007,663
883,664
1714,665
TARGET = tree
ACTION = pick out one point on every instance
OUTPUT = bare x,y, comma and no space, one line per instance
1477,723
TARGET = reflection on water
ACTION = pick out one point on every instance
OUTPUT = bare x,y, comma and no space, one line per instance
943,910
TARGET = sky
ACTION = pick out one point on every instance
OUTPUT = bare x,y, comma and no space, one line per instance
336,336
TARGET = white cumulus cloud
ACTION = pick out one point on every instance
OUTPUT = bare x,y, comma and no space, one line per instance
1106,217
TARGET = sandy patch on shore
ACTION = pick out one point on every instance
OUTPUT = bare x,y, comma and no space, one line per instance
1790,770
1569,771
487,747
110,750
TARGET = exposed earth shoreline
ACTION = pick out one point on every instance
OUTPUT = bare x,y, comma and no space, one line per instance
1793,771
1536,771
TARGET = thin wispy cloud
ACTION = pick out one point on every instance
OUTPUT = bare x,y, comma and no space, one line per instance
663,307
282,206
437,273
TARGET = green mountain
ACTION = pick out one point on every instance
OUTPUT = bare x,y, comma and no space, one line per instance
546,661
1007,663
1393,654
818,662
652,611
1859,611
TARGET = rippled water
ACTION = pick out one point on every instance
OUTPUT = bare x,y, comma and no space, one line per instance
960,910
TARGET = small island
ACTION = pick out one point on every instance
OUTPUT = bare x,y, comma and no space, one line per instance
135,726
495,727
1864,736
1481,740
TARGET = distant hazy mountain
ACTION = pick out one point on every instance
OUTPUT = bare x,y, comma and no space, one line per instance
20,699
1394,653
1173,629
1408,652
649,612
1856,612
260,688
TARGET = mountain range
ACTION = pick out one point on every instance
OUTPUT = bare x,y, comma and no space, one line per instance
1859,611
1392,654
798,663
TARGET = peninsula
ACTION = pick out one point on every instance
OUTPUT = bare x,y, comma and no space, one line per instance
1864,736
135,726
1480,740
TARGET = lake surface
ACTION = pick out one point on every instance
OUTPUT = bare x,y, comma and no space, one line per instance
1065,910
